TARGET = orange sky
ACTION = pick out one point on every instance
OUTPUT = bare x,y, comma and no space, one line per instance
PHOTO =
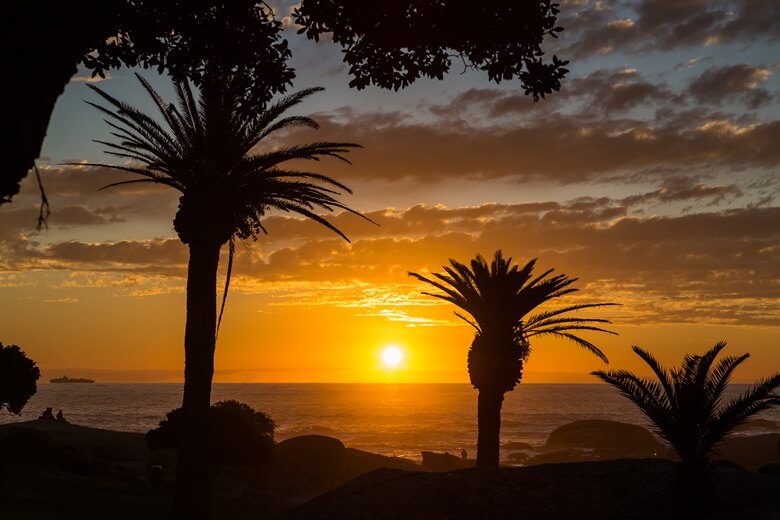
306,306
652,176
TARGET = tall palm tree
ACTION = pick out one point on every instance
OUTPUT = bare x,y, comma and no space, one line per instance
206,151
497,297
686,406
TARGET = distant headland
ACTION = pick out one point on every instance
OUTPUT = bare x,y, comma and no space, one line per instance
66,379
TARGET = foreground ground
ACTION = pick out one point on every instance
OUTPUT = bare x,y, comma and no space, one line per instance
50,470
618,489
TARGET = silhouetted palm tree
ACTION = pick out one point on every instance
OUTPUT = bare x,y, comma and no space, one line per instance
497,297
686,407
206,153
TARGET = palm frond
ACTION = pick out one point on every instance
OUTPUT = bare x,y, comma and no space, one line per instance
757,398
256,130
587,345
467,320
721,377
648,396
660,372
450,294
684,404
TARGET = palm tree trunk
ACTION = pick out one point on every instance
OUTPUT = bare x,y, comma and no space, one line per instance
489,425
192,499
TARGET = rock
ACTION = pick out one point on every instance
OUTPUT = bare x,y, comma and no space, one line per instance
750,451
309,463
359,462
770,469
610,439
432,461
312,464
519,457
757,424
515,445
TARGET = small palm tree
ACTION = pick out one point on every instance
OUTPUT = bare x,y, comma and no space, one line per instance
497,298
207,154
686,407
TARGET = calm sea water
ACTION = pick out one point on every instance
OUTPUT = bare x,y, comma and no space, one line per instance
391,419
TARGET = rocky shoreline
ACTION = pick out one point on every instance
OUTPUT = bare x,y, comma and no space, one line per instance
55,470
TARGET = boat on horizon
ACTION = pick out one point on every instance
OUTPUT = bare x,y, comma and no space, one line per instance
66,379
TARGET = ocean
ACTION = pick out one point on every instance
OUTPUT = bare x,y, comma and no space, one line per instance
390,419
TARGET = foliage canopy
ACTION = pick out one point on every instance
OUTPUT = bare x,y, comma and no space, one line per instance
239,435
18,377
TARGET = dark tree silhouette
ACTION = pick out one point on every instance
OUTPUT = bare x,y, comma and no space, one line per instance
686,406
48,39
389,44
207,154
18,377
393,44
239,435
496,298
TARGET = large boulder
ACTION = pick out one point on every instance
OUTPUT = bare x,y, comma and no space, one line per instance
312,464
432,461
750,451
608,439
360,462
757,425
309,463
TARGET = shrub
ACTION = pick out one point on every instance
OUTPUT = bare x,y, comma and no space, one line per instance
18,377
239,435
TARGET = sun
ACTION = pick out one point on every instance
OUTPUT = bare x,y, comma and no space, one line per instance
392,356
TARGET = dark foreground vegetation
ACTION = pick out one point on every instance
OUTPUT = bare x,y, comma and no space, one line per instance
52,470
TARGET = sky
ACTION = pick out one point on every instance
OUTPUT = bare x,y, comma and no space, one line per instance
652,176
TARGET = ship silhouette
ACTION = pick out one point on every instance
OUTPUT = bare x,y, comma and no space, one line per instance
66,379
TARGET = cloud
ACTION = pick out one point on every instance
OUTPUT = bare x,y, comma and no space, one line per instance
559,149
740,82
709,265
619,90
81,185
165,253
665,269
610,90
88,78
642,26
685,189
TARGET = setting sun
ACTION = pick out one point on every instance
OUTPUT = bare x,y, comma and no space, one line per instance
392,356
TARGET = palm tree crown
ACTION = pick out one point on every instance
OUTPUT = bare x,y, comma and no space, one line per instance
206,154
496,298
686,404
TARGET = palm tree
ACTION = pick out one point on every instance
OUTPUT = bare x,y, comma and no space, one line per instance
207,153
686,407
497,298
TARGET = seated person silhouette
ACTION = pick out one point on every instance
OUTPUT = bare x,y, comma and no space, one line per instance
47,414
61,418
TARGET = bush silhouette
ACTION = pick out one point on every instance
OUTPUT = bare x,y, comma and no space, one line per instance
18,377
686,406
240,435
